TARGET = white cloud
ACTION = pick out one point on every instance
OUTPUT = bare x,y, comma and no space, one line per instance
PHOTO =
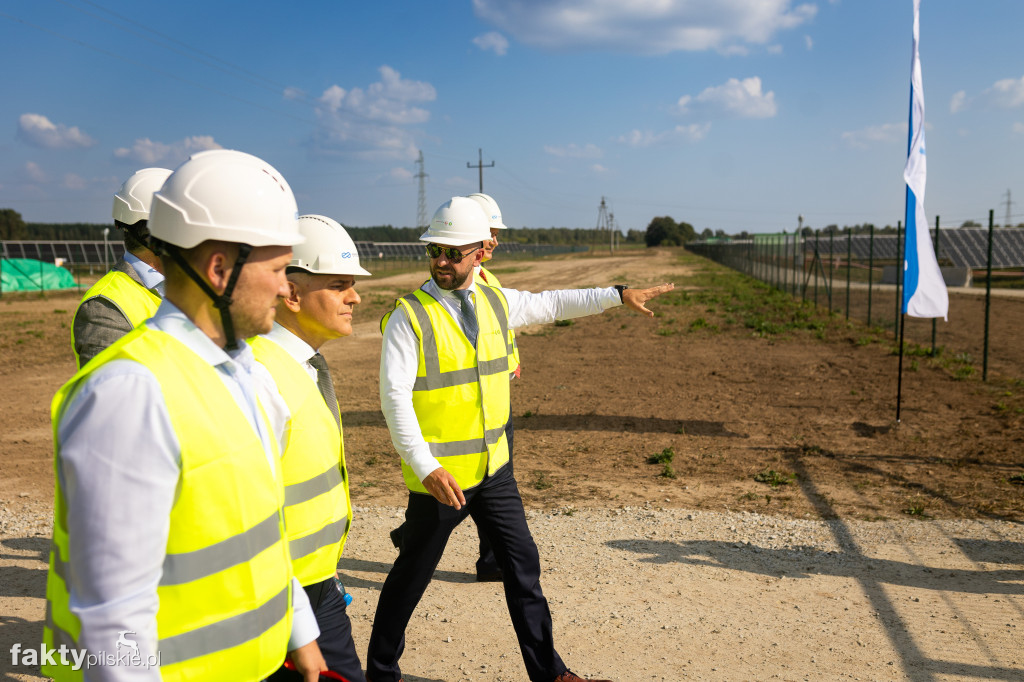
35,173
740,99
574,151
399,173
598,168
293,93
774,49
149,152
74,181
1018,128
646,138
369,122
1007,93
39,131
492,40
809,42
887,133
644,26
459,183
958,102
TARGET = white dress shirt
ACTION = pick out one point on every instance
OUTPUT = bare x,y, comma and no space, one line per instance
151,277
295,347
400,354
119,469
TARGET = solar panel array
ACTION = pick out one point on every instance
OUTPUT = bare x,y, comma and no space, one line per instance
80,252
964,247
91,252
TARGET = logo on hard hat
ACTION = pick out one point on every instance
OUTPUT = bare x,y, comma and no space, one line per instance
346,254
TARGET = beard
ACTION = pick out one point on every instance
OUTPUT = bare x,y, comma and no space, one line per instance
448,278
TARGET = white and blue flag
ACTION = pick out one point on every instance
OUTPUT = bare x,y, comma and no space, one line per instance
924,291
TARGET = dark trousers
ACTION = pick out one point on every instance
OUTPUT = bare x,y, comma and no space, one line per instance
488,563
335,640
497,508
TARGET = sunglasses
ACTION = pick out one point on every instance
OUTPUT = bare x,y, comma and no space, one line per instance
450,252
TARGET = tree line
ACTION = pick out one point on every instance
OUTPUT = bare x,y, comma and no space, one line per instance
661,231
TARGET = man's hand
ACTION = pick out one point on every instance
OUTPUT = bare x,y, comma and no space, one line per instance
308,661
443,487
636,298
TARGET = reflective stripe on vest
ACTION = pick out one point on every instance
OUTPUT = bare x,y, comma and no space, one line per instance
514,363
225,592
136,302
461,393
317,511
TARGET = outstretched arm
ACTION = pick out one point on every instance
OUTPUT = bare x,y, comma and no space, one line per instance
637,298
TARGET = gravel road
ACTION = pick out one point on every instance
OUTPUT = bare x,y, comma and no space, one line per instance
646,593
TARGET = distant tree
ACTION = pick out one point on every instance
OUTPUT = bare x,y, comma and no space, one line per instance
970,223
721,234
664,231
11,225
706,233
807,232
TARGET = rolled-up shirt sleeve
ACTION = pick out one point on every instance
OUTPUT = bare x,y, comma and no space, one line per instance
399,359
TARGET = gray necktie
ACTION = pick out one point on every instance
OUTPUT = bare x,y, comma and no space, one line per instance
326,385
469,323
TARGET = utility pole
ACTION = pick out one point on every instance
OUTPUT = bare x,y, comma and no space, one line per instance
480,165
1008,205
604,223
421,204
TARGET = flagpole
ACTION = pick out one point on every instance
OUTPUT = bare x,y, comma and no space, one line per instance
901,280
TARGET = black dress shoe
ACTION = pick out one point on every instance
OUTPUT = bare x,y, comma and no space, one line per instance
492,576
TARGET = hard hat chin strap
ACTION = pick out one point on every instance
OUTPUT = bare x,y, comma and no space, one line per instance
221,302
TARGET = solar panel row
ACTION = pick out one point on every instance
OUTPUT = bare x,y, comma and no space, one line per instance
964,247
91,252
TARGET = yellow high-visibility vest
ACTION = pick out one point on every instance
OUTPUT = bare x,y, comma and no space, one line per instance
225,592
461,393
136,302
515,366
317,508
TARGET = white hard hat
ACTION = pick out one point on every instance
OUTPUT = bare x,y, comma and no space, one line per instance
328,250
490,207
133,201
225,195
458,221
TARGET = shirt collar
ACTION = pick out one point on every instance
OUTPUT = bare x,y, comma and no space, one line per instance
148,274
292,344
171,320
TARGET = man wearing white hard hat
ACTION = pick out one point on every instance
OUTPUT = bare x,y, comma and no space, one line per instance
131,291
444,391
318,513
168,526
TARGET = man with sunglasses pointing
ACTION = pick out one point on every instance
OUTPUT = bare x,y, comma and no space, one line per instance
444,390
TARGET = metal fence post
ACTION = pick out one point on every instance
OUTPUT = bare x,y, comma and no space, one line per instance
936,258
988,296
899,274
831,268
849,263
871,267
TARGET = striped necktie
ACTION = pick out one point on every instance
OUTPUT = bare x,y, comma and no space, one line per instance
326,385
469,324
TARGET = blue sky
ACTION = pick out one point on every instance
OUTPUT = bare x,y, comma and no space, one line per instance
728,114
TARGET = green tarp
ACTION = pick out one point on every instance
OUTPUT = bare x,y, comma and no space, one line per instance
26,274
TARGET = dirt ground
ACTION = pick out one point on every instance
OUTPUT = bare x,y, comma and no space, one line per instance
793,427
